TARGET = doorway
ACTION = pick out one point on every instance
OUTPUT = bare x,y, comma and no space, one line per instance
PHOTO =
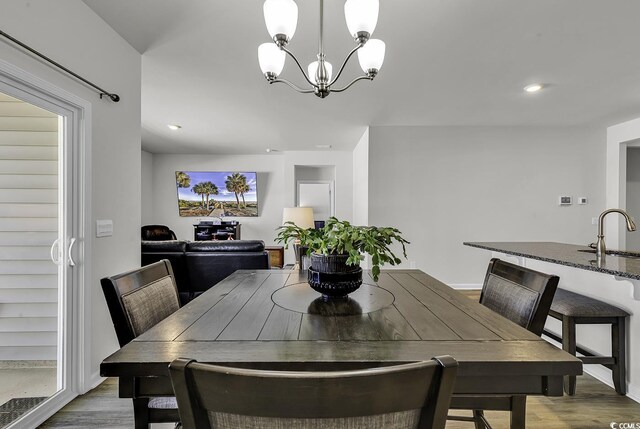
42,209
317,195
29,280
633,195
315,188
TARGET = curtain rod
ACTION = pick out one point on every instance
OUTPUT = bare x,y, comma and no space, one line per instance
114,97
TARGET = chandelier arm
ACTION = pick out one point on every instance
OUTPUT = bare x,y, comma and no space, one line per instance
352,82
297,88
299,66
344,63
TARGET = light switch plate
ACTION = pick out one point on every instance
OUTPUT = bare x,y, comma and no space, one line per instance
582,200
104,228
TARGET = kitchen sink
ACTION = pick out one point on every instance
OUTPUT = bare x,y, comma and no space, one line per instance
623,253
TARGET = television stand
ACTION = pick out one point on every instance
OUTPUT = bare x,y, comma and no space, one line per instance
225,231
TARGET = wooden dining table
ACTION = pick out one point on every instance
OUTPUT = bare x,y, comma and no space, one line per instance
272,319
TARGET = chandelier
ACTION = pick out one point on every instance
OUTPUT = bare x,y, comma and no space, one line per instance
281,18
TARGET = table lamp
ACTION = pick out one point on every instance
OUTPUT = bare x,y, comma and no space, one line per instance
302,217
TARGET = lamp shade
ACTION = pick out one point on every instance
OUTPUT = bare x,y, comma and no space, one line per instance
271,58
281,17
371,55
300,216
361,15
313,69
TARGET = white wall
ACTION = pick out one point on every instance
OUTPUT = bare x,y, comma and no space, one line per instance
444,185
633,195
69,32
146,175
361,181
270,169
276,188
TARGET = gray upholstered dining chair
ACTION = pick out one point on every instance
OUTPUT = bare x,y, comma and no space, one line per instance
137,301
413,395
523,296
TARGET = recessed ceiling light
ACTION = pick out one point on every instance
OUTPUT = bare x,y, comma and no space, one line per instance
323,146
174,127
534,87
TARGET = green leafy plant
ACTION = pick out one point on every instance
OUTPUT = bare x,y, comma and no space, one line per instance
340,237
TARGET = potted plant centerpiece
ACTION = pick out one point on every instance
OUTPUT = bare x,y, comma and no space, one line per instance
337,249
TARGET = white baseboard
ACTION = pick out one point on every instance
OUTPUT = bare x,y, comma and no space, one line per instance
94,381
466,286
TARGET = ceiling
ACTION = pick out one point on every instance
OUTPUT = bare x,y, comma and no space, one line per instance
448,63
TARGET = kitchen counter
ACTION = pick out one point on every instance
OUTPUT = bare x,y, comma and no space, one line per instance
615,280
570,255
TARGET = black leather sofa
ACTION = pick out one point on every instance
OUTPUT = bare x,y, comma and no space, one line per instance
199,265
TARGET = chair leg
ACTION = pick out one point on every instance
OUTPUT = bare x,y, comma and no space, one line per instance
618,351
141,413
518,412
569,346
479,420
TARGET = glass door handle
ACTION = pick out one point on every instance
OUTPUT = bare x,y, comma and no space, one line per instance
55,251
72,263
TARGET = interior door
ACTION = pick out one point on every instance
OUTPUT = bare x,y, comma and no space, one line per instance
319,195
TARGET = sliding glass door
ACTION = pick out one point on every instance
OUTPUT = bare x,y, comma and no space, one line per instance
38,234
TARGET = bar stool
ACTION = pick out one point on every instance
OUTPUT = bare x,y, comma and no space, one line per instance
572,309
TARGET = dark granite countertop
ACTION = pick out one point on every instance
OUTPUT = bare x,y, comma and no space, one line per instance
567,254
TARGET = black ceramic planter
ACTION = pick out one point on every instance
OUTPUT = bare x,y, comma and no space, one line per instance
332,277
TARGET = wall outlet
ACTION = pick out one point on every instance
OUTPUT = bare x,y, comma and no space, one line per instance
582,200
594,221
564,201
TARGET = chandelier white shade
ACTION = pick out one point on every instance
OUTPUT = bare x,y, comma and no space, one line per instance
271,59
361,15
281,18
371,56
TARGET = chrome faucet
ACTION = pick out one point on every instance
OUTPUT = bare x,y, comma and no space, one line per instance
601,248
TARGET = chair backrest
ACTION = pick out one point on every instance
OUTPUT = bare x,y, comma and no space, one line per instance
520,294
173,251
157,233
414,395
140,298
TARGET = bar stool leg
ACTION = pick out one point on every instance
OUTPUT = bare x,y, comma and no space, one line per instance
618,351
569,346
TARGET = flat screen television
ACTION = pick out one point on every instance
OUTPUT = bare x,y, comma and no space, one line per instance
217,193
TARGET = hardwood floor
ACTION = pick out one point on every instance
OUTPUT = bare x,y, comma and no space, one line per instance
100,408
594,406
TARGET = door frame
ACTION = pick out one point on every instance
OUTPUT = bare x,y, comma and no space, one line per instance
619,138
74,300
